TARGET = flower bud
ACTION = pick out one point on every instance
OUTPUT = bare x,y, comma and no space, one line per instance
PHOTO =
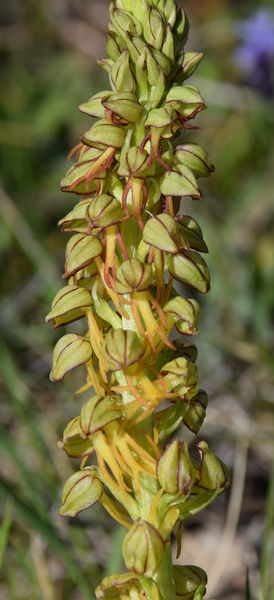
104,211
135,162
69,305
99,412
124,106
174,469
122,21
80,491
188,581
190,268
121,76
115,44
213,474
70,352
189,64
181,378
122,349
186,314
195,415
153,28
81,251
168,48
181,27
133,276
162,233
143,549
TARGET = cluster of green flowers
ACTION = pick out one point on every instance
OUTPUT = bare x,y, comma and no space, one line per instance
129,244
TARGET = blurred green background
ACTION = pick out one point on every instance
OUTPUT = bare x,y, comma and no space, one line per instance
48,66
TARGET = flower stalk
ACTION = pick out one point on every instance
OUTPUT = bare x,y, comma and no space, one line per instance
131,242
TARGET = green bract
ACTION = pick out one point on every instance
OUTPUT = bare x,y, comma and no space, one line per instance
132,242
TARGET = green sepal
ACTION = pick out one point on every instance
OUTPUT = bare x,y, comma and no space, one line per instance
77,179
133,276
190,268
160,117
99,412
121,76
120,585
103,134
94,106
186,100
75,221
183,183
82,490
186,314
124,105
143,548
70,352
73,443
191,235
104,211
69,305
168,47
162,233
196,412
188,581
181,26
195,158
122,349
81,251
85,277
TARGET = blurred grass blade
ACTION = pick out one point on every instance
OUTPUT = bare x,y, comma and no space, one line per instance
267,576
247,587
5,530
33,520
30,246
115,560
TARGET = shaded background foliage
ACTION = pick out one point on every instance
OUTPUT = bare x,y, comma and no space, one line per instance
48,66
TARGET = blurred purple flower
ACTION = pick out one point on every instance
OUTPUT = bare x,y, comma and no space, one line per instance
255,55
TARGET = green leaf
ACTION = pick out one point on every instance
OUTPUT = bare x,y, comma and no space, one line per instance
70,352
82,490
